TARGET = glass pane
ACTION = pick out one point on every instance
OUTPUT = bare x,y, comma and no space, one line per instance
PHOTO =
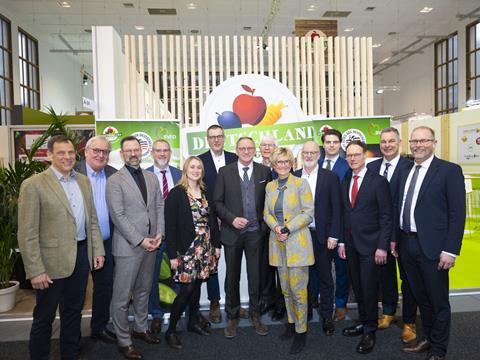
471,44
450,97
450,73
455,45
472,65
455,71
477,72
472,90
439,100
8,90
444,74
444,99
6,63
34,78
21,96
2,92
439,54
455,96
477,93
439,77
2,26
2,69
20,48
477,36
6,36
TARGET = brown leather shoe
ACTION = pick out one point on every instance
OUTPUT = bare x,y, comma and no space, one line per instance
231,329
146,336
385,321
243,313
129,352
418,347
156,326
340,314
260,329
203,321
409,333
215,315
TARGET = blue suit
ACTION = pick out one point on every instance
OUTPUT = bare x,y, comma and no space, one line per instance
342,283
154,300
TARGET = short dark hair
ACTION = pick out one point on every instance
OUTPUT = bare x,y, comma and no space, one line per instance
390,129
359,143
59,138
128,138
334,132
213,127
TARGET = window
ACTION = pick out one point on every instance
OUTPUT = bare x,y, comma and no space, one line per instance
446,75
6,79
473,61
28,64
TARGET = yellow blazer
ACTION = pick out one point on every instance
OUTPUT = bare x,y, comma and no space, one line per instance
47,229
297,214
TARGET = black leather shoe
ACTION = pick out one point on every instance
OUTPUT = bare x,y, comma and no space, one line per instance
367,343
328,327
104,336
355,330
198,329
173,341
288,333
418,347
279,313
298,344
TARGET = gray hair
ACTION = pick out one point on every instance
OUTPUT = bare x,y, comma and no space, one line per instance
268,137
95,138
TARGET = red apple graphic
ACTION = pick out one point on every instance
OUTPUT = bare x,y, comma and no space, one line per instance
250,109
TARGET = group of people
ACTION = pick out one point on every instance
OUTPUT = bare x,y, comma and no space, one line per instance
293,227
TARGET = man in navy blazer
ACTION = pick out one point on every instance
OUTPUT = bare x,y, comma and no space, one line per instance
213,160
332,160
325,229
390,166
432,218
367,219
167,176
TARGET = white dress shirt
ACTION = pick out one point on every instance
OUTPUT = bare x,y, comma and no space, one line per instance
218,160
393,165
249,171
333,160
361,175
312,181
168,174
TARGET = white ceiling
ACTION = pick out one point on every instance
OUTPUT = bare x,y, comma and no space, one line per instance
228,17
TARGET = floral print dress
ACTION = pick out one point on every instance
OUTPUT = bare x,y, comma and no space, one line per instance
199,261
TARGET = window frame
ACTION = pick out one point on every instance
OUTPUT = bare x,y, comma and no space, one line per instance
447,68
475,78
29,70
6,80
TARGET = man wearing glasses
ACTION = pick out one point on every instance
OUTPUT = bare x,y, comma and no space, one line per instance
239,199
431,205
213,160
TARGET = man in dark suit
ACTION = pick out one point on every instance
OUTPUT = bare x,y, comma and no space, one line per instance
431,205
239,199
325,229
98,171
167,176
213,160
390,166
332,160
367,218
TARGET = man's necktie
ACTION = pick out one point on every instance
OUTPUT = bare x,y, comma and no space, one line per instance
385,172
245,173
329,165
164,184
354,190
141,183
407,207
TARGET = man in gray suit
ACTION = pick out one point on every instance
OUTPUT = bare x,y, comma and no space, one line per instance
136,208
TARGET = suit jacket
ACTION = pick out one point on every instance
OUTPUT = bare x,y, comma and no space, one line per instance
47,228
179,227
328,205
228,198
81,167
340,168
130,215
176,173
298,214
440,209
211,170
368,226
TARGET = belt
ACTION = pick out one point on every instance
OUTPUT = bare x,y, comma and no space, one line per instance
410,233
81,242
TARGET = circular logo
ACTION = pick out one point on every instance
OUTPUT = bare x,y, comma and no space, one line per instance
111,133
146,143
350,135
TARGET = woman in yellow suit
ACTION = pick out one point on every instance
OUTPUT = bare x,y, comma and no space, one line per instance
288,212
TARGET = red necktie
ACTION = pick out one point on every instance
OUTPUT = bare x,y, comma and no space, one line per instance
164,184
354,190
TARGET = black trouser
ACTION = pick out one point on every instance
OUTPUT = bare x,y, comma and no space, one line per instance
387,275
189,295
250,243
409,305
69,293
430,288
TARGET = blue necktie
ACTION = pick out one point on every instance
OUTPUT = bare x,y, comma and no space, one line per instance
385,172
245,173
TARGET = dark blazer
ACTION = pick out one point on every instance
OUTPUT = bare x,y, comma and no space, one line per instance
176,174
211,170
440,209
228,197
328,205
340,168
368,225
179,228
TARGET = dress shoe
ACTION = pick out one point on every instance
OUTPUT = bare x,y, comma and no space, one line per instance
203,321
215,316
299,341
436,357
409,333
260,329
328,327
231,330
265,307
315,304
156,326
198,329
367,343
385,321
279,313
130,352
243,313
288,332
418,347
340,313
104,336
173,341
355,330
146,336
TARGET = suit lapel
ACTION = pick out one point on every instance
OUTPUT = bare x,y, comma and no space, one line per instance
235,179
57,189
363,187
432,170
128,179
346,190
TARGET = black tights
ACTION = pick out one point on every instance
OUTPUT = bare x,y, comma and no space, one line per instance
189,295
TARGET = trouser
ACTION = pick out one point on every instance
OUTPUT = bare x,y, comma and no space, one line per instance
342,282
154,307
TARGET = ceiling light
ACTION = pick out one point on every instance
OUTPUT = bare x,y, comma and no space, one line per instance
85,79
64,4
348,29
426,10
311,8
191,6
139,27
376,45
385,60
379,91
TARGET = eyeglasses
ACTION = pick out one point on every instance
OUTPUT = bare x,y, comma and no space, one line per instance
161,150
332,142
134,151
354,156
420,141
216,137
243,149
283,162
310,153
268,145
100,151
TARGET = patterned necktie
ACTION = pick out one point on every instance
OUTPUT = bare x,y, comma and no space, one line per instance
164,184
407,207
245,173
385,172
354,190
329,165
